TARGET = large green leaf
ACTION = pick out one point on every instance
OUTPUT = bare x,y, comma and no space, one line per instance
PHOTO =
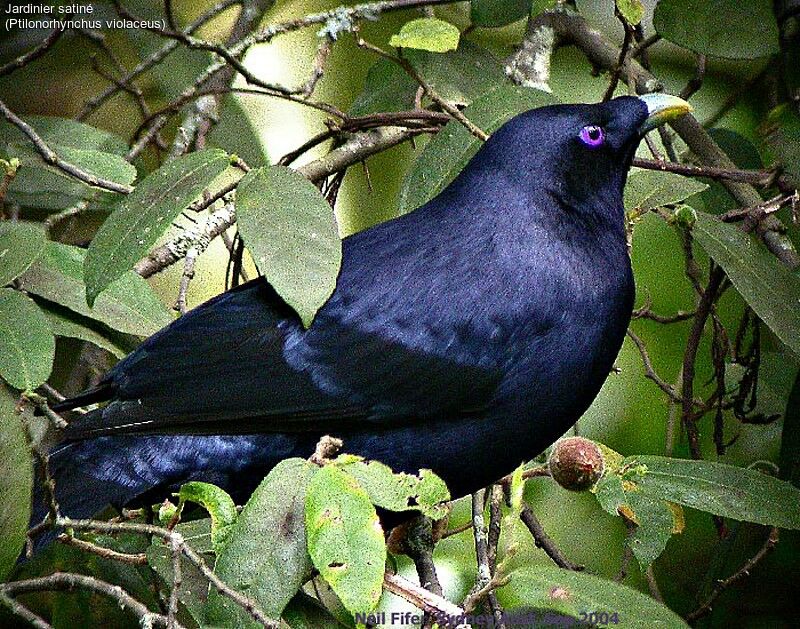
103,165
291,231
459,76
64,322
771,290
579,594
345,538
20,244
450,150
737,29
427,33
143,216
16,480
129,305
27,346
42,187
726,490
493,13
66,132
653,188
265,555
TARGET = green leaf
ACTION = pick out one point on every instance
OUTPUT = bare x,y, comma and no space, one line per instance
399,491
129,305
652,188
492,13
64,322
579,594
631,10
771,290
655,524
265,555
732,492
450,150
66,132
781,133
610,493
458,76
345,538
41,187
427,33
16,481
103,165
20,244
291,231
27,346
736,29
217,502
790,437
143,216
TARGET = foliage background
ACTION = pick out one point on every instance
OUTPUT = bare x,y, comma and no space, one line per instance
630,415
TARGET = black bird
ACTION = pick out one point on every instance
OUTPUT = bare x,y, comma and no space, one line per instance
464,337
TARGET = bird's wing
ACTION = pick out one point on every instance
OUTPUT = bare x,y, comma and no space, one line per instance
240,364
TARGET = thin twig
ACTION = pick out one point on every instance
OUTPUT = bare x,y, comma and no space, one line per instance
18,609
543,541
32,55
176,540
649,372
50,157
744,571
138,559
59,581
439,607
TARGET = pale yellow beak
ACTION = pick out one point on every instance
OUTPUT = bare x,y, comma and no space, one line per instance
662,108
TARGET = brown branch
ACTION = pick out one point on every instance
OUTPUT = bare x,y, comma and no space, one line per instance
138,559
696,82
409,69
704,308
439,607
18,609
761,178
175,540
543,541
68,581
23,60
646,313
154,59
616,72
650,373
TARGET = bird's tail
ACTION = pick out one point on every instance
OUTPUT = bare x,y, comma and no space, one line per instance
80,491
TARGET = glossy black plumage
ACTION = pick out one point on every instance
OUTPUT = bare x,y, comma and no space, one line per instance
464,337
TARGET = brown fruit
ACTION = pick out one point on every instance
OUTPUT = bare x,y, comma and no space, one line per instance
576,463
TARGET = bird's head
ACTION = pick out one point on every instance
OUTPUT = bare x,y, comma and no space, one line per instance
579,153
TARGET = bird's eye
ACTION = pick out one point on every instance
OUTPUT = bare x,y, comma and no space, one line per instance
592,136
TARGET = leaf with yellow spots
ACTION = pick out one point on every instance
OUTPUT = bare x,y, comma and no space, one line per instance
345,538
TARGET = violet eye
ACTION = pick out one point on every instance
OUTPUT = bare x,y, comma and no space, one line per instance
592,136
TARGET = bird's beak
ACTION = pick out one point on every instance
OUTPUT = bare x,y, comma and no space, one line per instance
662,108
